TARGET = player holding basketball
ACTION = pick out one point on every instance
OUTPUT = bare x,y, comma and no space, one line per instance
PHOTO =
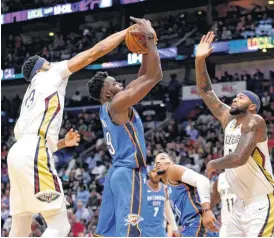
35,186
123,209
222,193
246,157
159,206
189,194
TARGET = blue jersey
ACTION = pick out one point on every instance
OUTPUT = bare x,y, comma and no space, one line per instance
156,203
184,201
125,143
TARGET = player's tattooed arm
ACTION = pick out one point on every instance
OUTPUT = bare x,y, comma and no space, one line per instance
253,132
100,49
72,138
219,109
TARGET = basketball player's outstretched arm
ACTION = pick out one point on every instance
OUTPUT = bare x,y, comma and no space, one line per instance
188,176
140,87
218,109
100,49
253,132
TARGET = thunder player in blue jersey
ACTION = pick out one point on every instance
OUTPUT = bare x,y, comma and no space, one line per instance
189,194
123,209
159,207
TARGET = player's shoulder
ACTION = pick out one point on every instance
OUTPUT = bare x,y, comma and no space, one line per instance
253,123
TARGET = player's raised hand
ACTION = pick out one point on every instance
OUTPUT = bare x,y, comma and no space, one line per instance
144,27
72,138
204,48
210,221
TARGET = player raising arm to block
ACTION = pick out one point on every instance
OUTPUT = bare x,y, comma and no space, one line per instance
189,194
246,156
35,186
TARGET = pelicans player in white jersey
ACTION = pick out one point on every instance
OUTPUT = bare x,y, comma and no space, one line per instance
222,193
35,186
246,157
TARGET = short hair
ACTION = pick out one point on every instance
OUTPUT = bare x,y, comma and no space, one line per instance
95,85
170,156
28,66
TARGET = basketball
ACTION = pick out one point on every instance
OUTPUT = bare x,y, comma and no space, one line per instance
135,43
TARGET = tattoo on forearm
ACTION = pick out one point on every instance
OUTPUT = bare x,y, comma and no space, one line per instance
202,77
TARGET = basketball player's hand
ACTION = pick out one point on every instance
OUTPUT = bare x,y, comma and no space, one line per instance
209,169
177,234
144,27
204,49
72,138
210,221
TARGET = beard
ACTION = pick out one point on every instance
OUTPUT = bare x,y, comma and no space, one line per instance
237,111
161,172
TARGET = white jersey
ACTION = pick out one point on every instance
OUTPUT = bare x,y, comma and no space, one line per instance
253,179
227,198
43,104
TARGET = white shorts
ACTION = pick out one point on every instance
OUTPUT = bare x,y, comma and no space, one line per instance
255,218
222,230
34,184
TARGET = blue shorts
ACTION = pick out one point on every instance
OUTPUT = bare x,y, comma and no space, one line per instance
195,228
122,212
154,231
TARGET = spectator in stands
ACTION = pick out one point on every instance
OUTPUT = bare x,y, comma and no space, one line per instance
94,200
174,89
83,194
266,101
259,75
82,212
76,227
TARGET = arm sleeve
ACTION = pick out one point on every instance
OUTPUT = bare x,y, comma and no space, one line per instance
200,182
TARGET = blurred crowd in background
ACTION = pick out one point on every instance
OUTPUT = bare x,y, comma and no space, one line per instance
193,140
171,27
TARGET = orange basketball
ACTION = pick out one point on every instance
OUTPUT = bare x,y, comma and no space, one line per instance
136,44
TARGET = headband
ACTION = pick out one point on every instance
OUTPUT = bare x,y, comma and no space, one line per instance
39,63
253,98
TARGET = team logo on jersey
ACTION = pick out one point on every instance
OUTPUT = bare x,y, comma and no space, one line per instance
133,219
48,197
144,180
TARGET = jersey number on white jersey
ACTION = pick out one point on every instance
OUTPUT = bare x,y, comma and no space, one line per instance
30,99
230,203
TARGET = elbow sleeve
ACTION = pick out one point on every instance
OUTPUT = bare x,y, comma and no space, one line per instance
200,182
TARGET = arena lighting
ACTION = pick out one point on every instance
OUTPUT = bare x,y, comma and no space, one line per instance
270,2
264,50
199,12
51,34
